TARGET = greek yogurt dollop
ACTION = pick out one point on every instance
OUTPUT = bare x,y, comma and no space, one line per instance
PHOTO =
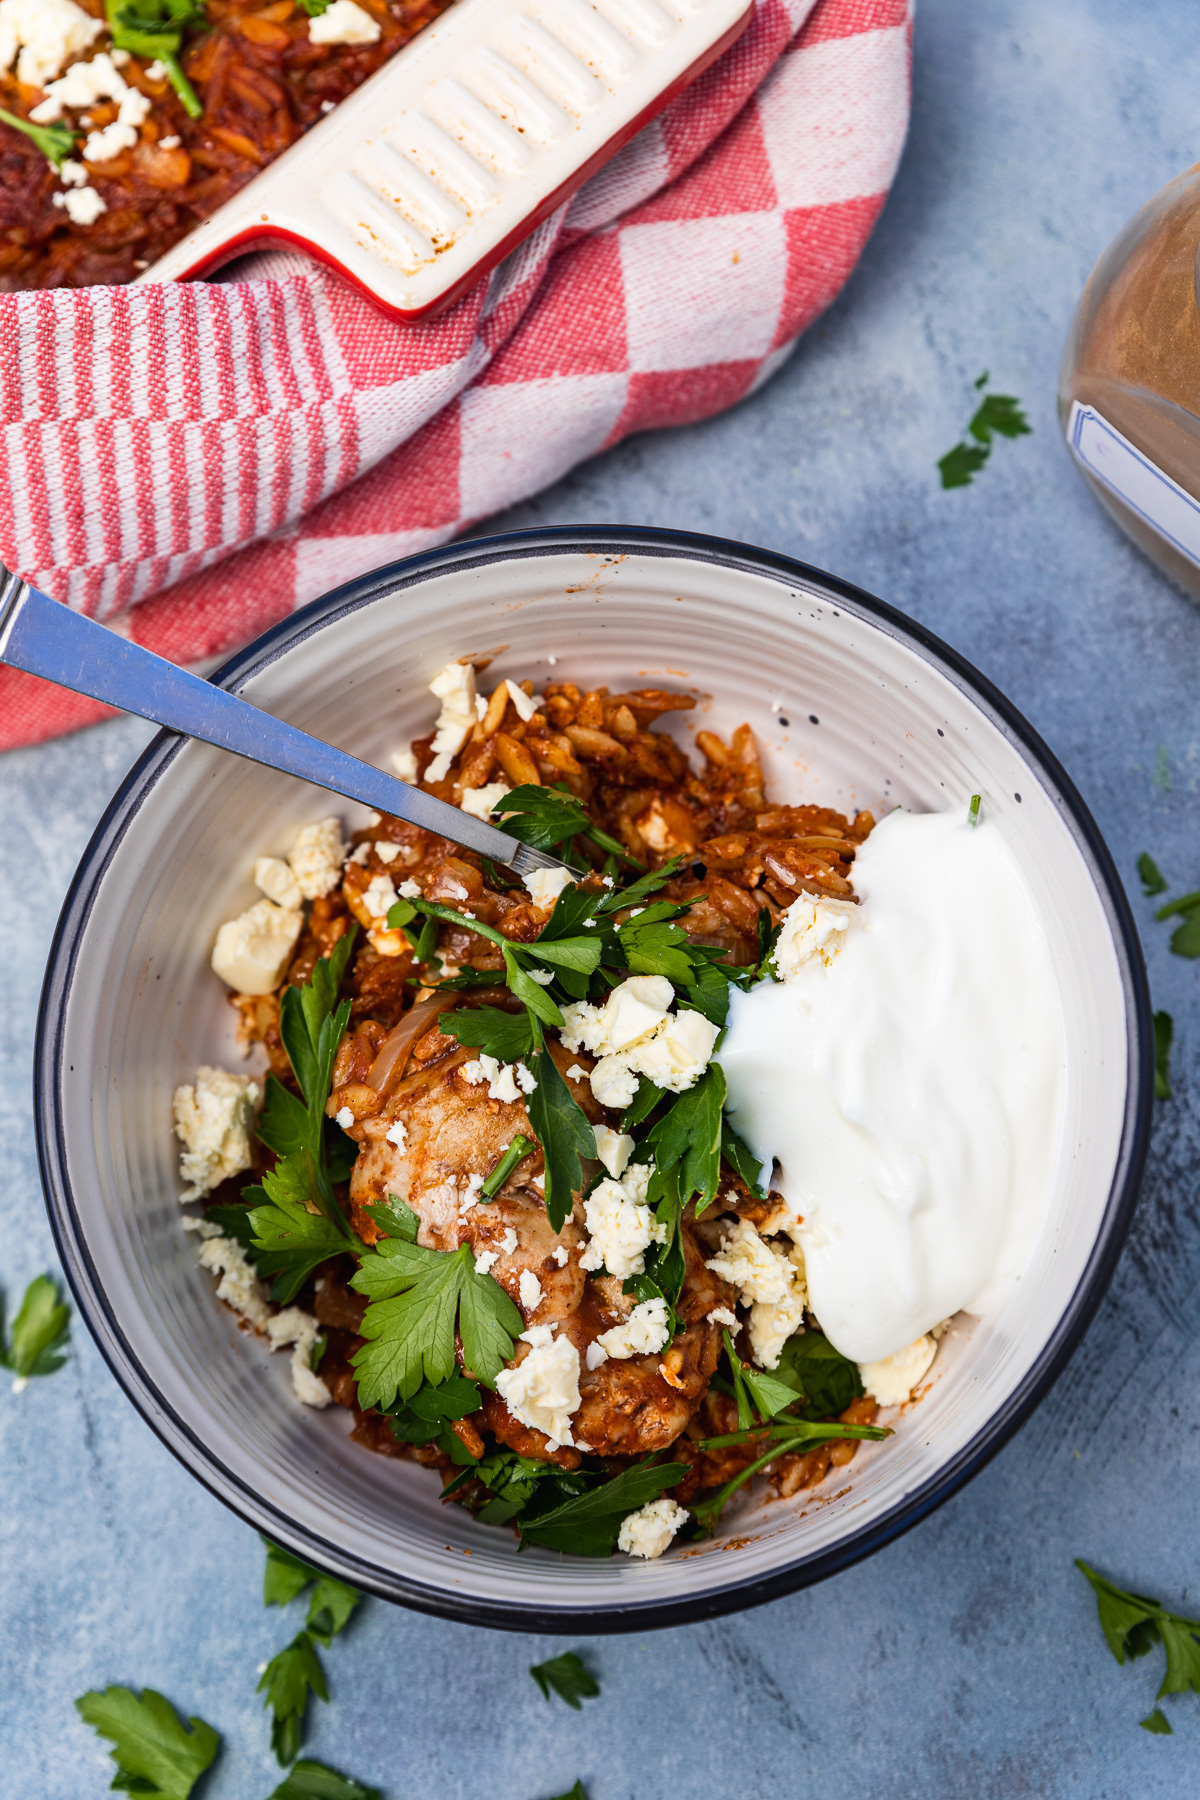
908,1075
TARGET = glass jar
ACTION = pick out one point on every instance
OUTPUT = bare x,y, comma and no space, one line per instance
1129,388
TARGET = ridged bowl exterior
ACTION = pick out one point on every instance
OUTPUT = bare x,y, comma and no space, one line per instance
853,706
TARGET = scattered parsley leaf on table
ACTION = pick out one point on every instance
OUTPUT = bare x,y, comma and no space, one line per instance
1164,1031
331,1603
1185,941
578,1792
314,1781
39,1332
998,414
155,1752
568,1677
1157,1722
287,1681
1152,878
1133,1624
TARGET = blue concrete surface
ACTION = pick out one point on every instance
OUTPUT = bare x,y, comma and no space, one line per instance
964,1660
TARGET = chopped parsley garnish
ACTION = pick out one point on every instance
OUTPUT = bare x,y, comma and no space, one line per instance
517,1151
563,1131
316,1781
1164,1030
418,1297
154,29
506,1036
545,817
568,1677
998,414
1152,878
429,1417
1133,1625
973,809
56,142
824,1379
588,1525
155,1752
39,1332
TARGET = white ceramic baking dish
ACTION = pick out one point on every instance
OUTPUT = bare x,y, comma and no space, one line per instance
853,706
440,164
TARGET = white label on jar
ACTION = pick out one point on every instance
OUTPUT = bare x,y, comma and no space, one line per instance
1129,473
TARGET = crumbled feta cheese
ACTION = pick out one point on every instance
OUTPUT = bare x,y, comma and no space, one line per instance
543,1390
72,173
721,1315
526,704
317,857
506,1081
645,1331
253,950
157,71
648,1531
344,1117
294,1326
122,134
404,761
481,802
632,1010
455,684
387,853
812,928
486,1260
892,1380
213,1120
561,1254
239,1286
613,1148
577,1072
545,885
83,205
543,977
274,878
595,1355
529,1291
474,1189
204,1227
379,896
344,22
621,1226
360,855
83,85
46,32
770,1280
167,143
409,890
508,1242
397,1134
634,1034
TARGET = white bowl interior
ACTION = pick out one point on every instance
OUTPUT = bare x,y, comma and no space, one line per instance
848,714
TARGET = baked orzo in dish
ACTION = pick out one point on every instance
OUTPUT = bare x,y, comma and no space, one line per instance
124,123
498,1210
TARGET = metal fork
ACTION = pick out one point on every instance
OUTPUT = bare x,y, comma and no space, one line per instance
44,637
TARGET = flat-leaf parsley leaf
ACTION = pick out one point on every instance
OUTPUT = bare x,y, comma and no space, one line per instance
39,1332
155,1752
1133,1624
316,1781
568,1677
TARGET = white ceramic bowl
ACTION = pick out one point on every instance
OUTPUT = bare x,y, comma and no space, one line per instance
853,706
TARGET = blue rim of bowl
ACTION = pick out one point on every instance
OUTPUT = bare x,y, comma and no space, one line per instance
729,1595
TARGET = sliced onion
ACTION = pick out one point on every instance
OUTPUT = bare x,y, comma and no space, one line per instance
393,1053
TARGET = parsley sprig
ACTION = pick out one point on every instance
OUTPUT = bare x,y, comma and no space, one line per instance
295,1672
155,1752
154,29
295,1218
1133,1624
316,1781
56,142
417,1299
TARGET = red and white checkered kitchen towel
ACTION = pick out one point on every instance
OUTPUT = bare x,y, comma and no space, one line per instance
191,462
